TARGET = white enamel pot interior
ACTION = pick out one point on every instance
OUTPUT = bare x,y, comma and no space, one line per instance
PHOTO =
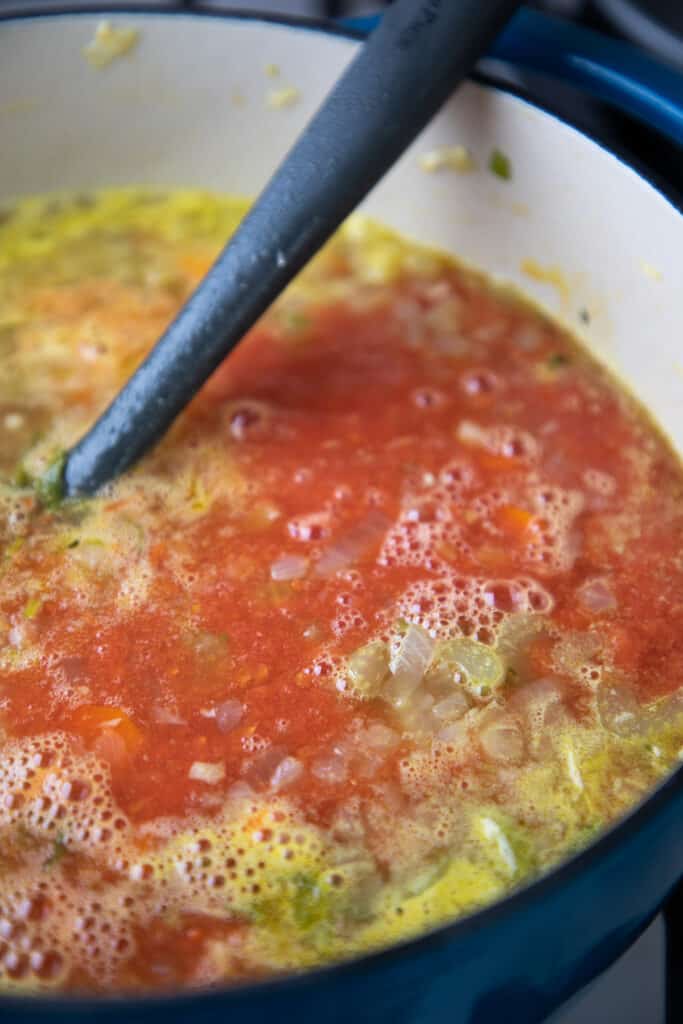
187,106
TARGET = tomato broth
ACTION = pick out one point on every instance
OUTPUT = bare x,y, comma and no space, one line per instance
389,623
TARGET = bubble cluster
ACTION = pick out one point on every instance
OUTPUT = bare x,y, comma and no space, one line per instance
429,521
63,830
347,616
56,804
47,788
453,605
554,543
509,442
48,927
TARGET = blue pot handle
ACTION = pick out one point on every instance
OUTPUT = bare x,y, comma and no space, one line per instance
605,68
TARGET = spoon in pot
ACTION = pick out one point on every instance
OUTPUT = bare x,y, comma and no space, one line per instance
405,71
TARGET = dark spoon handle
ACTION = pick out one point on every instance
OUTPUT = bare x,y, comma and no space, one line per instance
409,66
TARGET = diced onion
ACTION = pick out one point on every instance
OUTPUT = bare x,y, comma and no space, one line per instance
619,709
367,668
229,714
412,660
597,596
573,770
455,158
470,433
503,740
454,732
240,791
452,707
289,567
476,667
350,546
492,831
207,771
166,716
260,771
379,737
330,769
287,772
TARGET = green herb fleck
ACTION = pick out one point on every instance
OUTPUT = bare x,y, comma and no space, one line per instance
32,607
557,360
49,487
584,315
499,164
22,478
59,851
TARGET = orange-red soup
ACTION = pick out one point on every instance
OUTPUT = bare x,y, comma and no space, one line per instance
389,623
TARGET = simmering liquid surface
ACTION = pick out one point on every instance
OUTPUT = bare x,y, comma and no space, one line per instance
388,624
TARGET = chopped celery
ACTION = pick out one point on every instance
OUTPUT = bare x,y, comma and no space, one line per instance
32,607
467,663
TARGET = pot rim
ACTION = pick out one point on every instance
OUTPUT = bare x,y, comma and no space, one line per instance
515,902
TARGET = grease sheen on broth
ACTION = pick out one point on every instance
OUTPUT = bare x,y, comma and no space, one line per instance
389,624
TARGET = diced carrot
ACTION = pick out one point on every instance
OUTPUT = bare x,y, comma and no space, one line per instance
95,721
497,463
258,820
514,520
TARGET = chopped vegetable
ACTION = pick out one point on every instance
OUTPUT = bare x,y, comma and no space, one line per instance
502,740
50,486
558,360
353,544
466,663
499,164
367,669
289,567
109,42
410,664
204,771
32,607
287,772
59,851
493,832
456,158
287,96
388,622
